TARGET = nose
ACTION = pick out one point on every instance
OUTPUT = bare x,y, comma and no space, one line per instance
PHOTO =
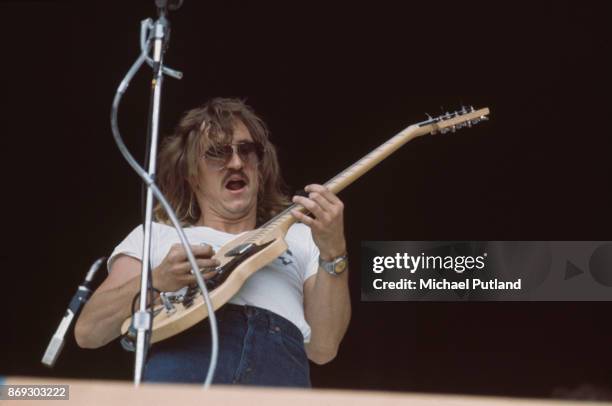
235,161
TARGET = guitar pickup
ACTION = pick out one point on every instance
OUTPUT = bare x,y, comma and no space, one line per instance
247,248
240,249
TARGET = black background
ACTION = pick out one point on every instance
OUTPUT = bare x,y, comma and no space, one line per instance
332,81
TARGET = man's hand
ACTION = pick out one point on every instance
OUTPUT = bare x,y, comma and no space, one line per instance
328,225
174,272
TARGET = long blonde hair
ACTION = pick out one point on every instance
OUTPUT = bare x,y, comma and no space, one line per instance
198,129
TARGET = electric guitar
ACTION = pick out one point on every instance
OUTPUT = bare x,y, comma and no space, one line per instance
245,255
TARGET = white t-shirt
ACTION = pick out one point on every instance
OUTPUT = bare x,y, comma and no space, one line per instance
278,287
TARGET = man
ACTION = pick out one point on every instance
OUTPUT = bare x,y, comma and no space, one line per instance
220,173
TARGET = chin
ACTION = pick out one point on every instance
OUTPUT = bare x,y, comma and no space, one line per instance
240,208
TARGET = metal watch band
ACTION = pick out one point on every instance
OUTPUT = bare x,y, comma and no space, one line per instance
334,267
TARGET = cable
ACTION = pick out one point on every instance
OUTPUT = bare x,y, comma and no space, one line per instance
160,197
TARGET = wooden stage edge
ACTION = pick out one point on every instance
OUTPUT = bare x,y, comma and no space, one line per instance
92,393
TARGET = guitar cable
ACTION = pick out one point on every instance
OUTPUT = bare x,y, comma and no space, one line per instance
161,198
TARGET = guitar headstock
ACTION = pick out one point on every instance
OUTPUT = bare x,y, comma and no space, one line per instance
451,122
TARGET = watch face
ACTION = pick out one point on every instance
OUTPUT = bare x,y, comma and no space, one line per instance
340,266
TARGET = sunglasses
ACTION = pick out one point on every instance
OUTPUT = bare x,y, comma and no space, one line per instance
249,153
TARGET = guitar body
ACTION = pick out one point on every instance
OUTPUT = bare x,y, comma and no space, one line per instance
167,324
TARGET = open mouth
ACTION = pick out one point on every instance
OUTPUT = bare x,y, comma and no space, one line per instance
235,184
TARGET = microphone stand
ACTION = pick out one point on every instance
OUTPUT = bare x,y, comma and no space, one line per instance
158,32
142,319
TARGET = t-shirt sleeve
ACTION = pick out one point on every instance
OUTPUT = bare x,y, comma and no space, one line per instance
131,245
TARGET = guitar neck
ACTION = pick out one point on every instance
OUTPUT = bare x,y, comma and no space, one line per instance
362,166
284,220
442,124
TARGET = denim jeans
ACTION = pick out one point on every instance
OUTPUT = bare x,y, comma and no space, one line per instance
256,347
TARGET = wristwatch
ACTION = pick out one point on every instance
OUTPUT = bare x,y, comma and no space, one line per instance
336,266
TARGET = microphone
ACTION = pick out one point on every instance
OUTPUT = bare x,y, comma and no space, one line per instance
171,5
78,300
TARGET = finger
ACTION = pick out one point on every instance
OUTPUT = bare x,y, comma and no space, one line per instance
181,268
325,192
179,254
311,206
190,279
309,221
208,275
321,201
185,266
207,263
203,250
